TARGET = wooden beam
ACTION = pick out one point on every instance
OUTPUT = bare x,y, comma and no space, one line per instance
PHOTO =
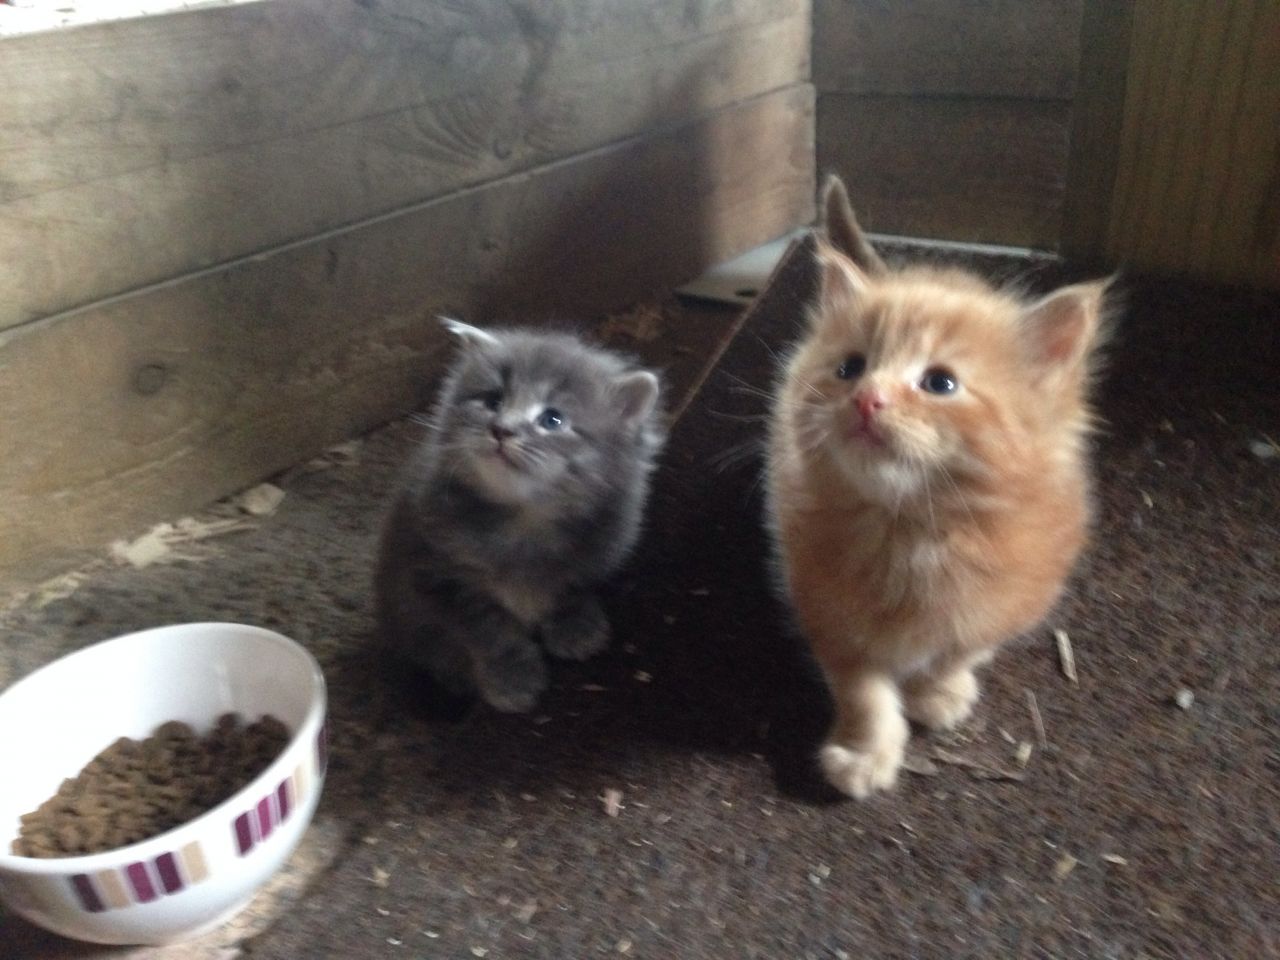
140,408
974,169
984,48
135,151
1097,119
1176,166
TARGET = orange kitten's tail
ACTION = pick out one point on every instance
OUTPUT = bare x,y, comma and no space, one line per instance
841,227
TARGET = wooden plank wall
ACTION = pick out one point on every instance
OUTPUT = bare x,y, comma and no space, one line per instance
181,141
949,120
220,260
1176,165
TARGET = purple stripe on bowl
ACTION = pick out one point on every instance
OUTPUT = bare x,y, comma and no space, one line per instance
265,823
89,898
144,890
167,868
322,746
244,834
282,798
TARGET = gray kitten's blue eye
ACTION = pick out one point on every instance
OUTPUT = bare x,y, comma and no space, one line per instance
939,380
853,366
550,419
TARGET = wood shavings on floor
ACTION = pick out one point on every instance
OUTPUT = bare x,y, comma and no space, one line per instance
1066,655
156,545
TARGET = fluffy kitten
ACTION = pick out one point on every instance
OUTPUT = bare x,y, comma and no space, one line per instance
527,492
928,486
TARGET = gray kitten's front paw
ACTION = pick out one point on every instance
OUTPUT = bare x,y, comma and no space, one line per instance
576,630
512,679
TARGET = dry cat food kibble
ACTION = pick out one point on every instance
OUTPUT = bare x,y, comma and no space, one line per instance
135,789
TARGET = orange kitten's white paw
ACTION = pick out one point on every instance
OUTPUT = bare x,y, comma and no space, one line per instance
941,703
859,773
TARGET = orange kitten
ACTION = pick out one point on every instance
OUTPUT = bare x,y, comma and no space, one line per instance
927,483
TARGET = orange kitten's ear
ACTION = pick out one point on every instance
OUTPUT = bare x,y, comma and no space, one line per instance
842,230
841,284
1062,328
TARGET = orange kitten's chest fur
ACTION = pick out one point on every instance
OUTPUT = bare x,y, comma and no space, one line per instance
934,580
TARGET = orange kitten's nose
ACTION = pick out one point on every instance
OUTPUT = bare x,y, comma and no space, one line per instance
869,401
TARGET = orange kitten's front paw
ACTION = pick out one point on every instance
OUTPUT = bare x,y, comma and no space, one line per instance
859,773
941,703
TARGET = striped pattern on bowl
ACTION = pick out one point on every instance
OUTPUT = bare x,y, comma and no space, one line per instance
141,881
174,871
257,823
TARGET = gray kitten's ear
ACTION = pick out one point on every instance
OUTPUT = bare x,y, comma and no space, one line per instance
636,395
469,335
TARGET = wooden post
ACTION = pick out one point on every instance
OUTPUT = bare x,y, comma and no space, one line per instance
1175,165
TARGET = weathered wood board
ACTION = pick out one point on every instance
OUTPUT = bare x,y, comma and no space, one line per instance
1096,123
948,120
1025,49
981,170
135,151
141,407
1197,167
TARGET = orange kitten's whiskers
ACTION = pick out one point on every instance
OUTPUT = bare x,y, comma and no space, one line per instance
740,417
736,455
741,386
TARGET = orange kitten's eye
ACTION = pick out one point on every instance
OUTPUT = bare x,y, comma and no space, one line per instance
939,380
852,367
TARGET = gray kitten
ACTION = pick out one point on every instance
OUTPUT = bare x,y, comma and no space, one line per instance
527,492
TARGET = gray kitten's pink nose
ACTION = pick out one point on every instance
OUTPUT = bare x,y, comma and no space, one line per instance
501,433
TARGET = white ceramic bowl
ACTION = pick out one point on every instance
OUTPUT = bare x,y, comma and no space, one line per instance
196,876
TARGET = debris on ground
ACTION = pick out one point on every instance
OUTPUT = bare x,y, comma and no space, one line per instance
60,587
345,454
1184,699
1037,721
260,501
1066,656
1066,863
1264,449
979,769
919,764
1023,754
612,800
156,545
526,913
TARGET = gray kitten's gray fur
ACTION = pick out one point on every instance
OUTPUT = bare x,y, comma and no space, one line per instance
528,491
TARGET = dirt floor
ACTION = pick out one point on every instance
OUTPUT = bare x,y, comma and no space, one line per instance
662,802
